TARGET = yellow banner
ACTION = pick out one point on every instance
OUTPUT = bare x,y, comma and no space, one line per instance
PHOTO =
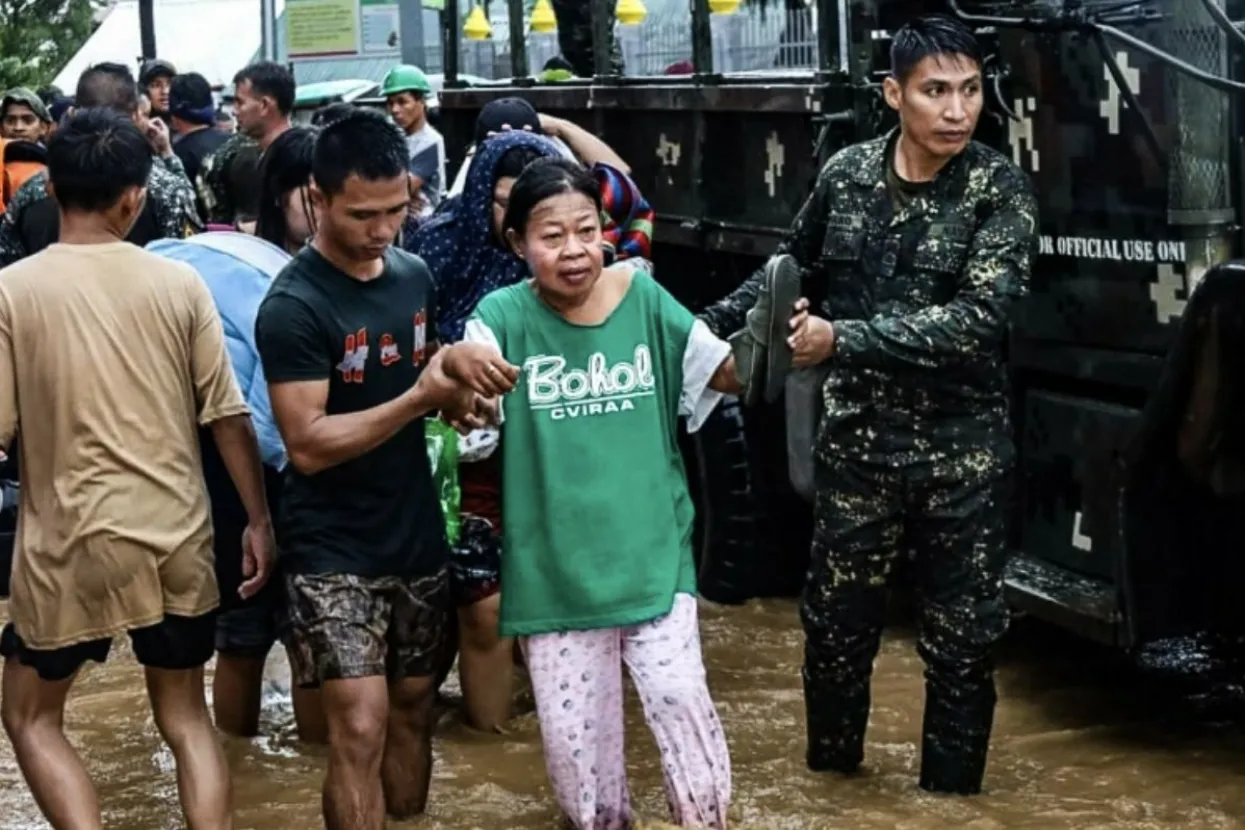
320,28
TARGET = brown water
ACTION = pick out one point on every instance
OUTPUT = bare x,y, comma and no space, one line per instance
1080,742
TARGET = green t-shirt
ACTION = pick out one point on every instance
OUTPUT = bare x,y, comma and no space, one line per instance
596,515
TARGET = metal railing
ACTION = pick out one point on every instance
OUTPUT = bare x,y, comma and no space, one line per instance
742,42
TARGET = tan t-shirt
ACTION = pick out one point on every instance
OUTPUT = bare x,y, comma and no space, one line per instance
110,358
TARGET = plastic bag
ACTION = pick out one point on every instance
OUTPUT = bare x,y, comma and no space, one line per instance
443,456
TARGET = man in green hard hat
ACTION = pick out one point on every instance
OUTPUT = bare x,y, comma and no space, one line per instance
406,90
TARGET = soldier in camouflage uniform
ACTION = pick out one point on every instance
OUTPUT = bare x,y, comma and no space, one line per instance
216,183
228,180
575,36
32,220
915,246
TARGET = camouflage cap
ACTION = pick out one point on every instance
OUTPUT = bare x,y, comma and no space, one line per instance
22,95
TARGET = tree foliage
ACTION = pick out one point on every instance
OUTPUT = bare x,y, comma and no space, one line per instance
38,37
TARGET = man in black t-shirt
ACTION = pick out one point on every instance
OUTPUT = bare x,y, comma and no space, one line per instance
192,115
352,370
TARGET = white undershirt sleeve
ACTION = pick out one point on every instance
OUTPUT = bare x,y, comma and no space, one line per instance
704,354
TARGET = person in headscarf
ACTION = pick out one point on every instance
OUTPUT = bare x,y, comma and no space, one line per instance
506,114
464,249
462,243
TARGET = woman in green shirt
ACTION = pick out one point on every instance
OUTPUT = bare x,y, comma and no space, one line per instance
597,569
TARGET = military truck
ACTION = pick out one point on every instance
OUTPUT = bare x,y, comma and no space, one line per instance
1124,114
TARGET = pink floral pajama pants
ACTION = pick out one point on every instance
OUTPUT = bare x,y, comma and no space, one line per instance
578,685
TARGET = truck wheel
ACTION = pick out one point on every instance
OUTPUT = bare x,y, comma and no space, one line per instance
726,541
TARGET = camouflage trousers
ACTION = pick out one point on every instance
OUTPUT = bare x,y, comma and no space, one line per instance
951,514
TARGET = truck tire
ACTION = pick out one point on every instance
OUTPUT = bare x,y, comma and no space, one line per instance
726,541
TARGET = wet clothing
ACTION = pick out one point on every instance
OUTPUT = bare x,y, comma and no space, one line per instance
32,220
377,515
578,686
426,149
192,148
174,644
458,245
951,512
915,447
343,627
591,433
114,518
228,181
575,36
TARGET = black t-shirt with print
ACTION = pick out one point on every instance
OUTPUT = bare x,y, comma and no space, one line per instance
378,514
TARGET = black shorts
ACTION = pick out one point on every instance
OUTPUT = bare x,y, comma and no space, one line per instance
245,628
175,643
249,629
229,520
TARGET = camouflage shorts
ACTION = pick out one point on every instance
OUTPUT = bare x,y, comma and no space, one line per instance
343,626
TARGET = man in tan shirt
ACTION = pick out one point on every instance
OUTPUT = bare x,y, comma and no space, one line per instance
110,360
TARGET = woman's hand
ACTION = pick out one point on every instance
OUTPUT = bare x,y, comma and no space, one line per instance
480,367
812,338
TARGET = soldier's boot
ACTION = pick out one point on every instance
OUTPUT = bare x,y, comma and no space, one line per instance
955,737
762,356
836,720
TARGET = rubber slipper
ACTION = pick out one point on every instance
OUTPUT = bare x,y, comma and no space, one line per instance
782,276
749,365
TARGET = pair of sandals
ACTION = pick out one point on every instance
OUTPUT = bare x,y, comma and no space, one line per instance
762,356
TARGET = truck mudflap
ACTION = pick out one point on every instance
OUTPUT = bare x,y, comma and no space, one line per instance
1183,500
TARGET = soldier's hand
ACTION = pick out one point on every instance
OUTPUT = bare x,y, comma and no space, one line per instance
480,367
812,338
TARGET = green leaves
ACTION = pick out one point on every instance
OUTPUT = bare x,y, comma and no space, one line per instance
38,37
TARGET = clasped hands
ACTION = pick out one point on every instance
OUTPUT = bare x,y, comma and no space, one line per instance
466,381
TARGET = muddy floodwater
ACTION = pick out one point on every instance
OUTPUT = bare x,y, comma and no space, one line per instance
1082,740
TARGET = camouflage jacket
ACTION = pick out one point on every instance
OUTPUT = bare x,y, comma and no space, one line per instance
918,288
217,184
31,221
